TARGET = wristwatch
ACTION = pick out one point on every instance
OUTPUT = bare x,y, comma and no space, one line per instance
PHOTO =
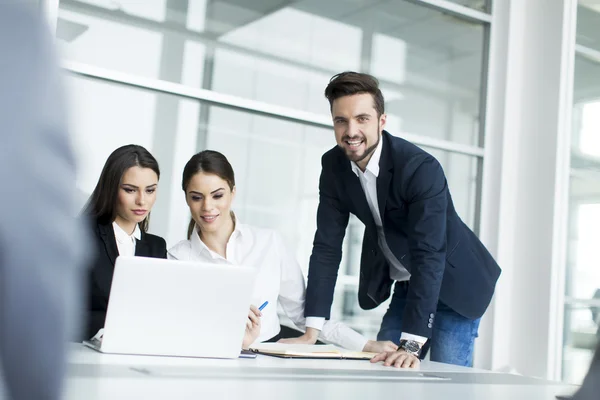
411,346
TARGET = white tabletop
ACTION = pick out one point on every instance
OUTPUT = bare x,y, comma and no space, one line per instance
93,375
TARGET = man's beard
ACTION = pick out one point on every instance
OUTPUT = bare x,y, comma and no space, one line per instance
367,152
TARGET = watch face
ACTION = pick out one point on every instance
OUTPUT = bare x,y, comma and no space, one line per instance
411,346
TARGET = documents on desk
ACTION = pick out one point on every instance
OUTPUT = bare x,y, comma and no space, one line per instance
309,351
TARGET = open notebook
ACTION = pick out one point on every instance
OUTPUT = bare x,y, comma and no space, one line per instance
309,351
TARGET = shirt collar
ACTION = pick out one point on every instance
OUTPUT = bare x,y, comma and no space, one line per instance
373,164
123,236
198,246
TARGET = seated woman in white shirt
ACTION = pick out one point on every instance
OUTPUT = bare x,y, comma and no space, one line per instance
216,236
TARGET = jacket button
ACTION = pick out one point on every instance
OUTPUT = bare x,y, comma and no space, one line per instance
431,315
429,326
430,320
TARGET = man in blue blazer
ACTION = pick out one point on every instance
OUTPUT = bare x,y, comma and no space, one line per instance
444,276
43,250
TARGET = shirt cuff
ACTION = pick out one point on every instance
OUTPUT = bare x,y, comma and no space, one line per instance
315,322
341,335
416,338
356,342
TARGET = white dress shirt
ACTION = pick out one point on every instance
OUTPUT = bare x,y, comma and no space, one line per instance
279,279
125,241
368,181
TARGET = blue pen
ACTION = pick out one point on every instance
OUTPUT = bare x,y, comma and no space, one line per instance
263,306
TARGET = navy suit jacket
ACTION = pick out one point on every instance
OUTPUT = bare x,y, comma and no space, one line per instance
446,260
101,274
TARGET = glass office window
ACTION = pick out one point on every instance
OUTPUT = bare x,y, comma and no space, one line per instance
139,38
583,261
150,9
580,338
480,5
584,282
105,116
583,276
430,71
588,21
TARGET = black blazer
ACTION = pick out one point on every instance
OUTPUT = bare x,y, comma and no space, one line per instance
446,260
100,278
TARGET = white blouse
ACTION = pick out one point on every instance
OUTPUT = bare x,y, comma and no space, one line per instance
279,279
125,241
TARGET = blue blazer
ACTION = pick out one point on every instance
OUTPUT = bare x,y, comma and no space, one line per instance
447,262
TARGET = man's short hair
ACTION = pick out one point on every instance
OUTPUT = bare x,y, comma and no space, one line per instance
350,83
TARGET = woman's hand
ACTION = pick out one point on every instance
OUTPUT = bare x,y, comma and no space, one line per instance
252,327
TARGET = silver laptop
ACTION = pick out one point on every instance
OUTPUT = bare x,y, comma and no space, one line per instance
176,308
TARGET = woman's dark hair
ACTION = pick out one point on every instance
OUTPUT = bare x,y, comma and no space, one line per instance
350,83
103,201
210,162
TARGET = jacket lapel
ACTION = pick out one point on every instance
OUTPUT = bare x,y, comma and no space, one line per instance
142,248
110,243
385,174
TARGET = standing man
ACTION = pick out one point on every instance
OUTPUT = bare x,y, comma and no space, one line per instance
42,245
444,276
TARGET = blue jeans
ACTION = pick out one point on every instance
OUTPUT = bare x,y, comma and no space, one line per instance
453,335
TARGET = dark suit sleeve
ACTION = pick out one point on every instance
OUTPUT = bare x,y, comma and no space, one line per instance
332,220
426,194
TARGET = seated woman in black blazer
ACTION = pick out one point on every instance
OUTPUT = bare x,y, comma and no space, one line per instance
119,209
